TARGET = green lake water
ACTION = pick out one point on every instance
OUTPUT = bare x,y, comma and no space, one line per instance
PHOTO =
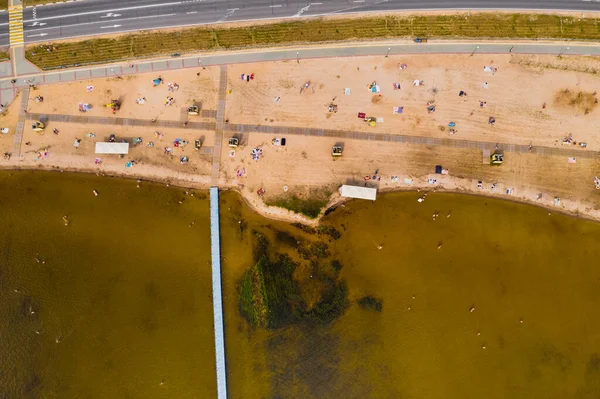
125,289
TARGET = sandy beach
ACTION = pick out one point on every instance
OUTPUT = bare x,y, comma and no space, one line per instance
534,100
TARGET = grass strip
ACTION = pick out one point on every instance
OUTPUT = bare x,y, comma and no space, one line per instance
482,25
39,2
307,207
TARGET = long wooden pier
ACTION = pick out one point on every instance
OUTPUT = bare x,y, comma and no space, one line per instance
217,294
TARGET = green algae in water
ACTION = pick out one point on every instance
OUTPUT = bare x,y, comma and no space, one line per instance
125,289
509,261
371,303
270,296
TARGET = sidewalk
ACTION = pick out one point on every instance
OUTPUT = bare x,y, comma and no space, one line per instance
28,73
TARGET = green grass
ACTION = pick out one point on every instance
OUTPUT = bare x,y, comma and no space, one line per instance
38,2
4,3
481,25
308,207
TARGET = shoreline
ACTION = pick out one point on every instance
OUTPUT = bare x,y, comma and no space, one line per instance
528,103
335,200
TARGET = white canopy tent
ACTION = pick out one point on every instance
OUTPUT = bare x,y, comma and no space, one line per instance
112,148
358,192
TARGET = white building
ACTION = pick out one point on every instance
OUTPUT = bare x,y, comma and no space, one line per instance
358,192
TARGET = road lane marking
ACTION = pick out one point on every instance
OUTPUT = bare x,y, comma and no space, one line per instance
228,14
192,12
109,11
15,26
302,11
276,6
40,35
112,26
102,22
110,15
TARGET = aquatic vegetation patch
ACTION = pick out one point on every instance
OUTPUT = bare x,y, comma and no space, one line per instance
313,250
270,297
336,265
329,231
320,230
371,303
252,298
331,307
286,238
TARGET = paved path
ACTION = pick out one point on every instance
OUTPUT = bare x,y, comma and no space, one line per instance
216,163
244,130
98,17
101,120
567,152
21,122
8,89
22,65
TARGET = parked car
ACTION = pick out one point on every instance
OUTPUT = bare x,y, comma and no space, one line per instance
421,40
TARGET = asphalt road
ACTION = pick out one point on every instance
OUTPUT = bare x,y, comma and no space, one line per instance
96,17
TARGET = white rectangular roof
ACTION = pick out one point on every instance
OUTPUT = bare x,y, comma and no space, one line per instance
112,148
358,192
